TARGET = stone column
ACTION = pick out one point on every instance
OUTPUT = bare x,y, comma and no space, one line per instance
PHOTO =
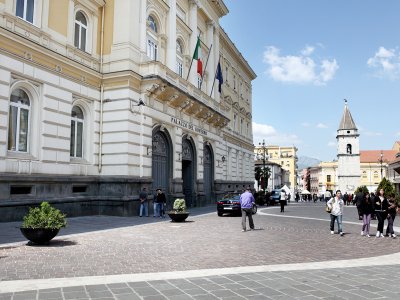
193,38
215,94
171,43
143,26
210,67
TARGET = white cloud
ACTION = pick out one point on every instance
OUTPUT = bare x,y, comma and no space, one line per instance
332,144
301,69
371,133
386,63
272,136
321,125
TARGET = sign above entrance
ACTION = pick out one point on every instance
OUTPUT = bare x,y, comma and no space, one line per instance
187,125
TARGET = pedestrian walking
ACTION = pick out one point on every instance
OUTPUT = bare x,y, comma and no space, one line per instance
246,204
358,199
392,210
366,209
381,207
161,200
143,203
282,200
336,206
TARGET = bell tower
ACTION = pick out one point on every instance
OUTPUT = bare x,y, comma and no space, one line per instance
348,153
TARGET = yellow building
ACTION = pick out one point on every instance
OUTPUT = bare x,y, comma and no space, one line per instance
98,100
286,157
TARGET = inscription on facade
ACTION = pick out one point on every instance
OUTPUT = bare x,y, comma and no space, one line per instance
187,125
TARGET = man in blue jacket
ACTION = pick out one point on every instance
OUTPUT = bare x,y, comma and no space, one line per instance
246,204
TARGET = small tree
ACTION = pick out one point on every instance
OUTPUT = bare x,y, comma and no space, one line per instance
387,187
362,189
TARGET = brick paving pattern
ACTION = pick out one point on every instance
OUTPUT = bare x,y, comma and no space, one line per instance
115,245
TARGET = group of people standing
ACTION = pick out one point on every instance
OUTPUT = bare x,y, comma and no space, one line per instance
158,204
384,208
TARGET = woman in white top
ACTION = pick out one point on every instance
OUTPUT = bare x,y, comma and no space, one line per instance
336,206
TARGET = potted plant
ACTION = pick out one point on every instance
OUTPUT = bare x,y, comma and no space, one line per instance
179,212
43,223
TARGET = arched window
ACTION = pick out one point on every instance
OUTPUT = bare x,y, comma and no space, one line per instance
25,10
18,124
152,24
348,149
179,58
152,44
76,148
80,31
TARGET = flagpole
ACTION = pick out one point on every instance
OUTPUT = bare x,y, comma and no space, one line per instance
205,66
215,76
192,59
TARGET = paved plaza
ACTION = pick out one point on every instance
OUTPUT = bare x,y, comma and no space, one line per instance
291,256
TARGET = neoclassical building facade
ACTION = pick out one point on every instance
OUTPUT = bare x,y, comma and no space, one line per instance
98,99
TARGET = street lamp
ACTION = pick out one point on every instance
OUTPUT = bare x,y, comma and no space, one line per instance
262,154
380,160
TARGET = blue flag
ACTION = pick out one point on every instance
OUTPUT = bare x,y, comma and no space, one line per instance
219,77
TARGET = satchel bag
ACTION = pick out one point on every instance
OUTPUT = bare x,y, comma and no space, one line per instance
328,209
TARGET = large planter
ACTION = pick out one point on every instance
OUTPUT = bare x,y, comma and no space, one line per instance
178,217
41,236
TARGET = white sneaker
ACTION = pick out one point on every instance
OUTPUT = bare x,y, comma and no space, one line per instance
362,233
342,233
382,235
332,232
393,236
368,235
378,234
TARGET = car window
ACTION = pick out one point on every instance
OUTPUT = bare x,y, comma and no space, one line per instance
232,196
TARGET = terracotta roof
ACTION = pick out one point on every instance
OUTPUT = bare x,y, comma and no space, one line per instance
347,121
373,156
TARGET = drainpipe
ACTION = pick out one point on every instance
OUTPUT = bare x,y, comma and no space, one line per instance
101,88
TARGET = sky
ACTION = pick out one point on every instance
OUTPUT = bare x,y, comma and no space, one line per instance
310,55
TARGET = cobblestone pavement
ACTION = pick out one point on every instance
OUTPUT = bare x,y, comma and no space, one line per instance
181,256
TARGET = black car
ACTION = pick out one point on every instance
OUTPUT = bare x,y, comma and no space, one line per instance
230,203
275,197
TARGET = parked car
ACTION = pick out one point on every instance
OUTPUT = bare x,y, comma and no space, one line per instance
230,203
275,197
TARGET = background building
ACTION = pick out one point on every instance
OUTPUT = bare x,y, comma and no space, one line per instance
97,102
286,157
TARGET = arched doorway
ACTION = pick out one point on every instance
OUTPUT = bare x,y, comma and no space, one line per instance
161,166
208,173
188,171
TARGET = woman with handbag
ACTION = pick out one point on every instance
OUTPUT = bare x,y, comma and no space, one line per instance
336,207
381,208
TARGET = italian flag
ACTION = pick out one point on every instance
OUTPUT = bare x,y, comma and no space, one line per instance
197,56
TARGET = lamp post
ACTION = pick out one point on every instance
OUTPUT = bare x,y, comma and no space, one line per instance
262,154
380,160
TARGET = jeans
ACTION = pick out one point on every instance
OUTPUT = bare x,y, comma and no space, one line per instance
339,222
389,228
249,213
366,223
154,209
160,208
143,209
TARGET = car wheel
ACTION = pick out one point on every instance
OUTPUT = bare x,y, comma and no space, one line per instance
220,214
254,209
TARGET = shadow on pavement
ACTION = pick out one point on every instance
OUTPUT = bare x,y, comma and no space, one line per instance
10,233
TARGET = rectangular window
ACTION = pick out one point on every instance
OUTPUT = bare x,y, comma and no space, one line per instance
79,139
79,189
151,49
328,178
12,129
25,9
20,190
23,131
179,68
